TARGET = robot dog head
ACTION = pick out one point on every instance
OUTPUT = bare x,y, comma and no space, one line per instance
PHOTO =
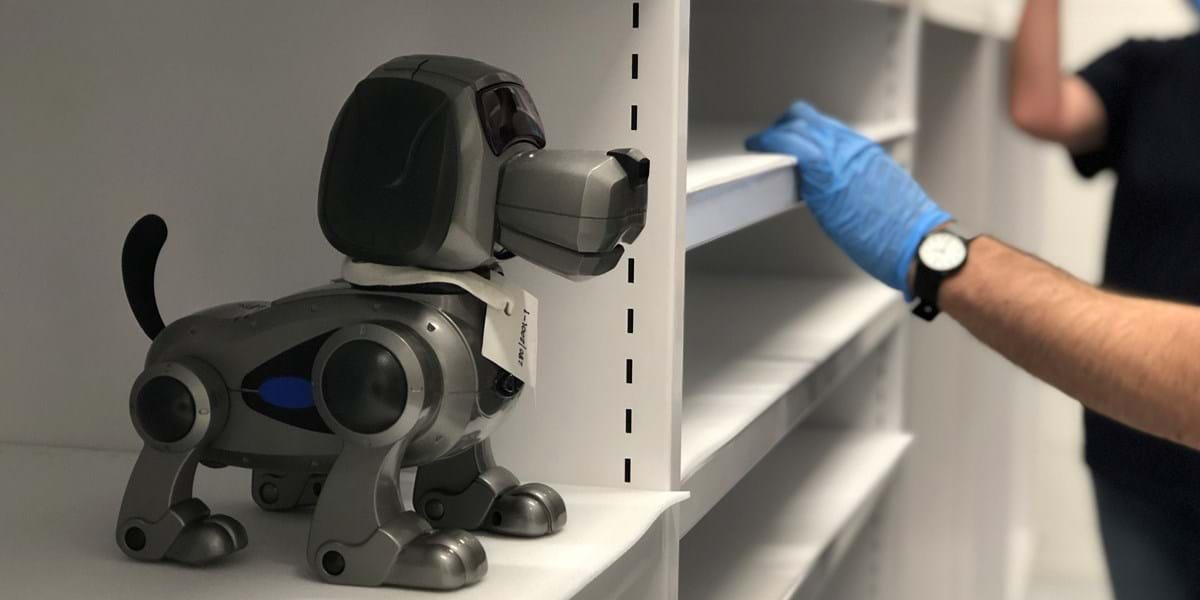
439,162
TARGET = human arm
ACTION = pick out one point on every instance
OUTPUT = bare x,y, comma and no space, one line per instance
1136,361
1133,360
1043,101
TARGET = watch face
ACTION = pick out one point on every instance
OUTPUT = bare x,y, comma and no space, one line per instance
942,251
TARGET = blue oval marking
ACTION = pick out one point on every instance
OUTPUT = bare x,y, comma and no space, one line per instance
287,392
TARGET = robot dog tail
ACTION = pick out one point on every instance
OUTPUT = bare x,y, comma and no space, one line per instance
139,257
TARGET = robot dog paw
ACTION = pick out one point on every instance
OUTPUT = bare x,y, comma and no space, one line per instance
406,553
443,560
529,510
188,534
204,541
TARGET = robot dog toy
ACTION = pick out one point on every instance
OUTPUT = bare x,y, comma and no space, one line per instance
434,172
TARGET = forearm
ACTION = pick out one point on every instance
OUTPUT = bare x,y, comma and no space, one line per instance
1134,360
1036,78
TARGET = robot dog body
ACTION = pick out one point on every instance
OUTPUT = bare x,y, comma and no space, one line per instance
271,350
434,162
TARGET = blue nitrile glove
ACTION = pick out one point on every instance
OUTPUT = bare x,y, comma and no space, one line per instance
868,204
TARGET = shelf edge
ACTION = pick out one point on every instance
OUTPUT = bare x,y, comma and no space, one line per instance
769,178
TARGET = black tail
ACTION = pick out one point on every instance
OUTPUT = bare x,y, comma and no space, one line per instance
138,259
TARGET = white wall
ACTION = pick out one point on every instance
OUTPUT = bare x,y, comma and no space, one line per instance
1076,221
115,109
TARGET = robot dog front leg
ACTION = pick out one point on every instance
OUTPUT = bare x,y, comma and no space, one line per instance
375,384
362,535
176,408
470,491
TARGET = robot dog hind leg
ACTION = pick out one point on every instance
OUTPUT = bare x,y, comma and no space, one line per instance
285,490
160,520
177,408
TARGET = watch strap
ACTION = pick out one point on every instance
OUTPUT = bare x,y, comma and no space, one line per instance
925,286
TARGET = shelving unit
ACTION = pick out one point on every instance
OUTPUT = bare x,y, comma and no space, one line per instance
791,409
784,534
728,413
750,377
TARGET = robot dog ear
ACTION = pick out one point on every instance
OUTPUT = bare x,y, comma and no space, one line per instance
569,210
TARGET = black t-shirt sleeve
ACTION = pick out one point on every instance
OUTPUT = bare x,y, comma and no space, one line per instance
1114,76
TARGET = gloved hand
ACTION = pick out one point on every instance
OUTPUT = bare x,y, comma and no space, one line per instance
868,204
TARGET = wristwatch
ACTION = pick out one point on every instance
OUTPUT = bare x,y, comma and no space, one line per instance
939,256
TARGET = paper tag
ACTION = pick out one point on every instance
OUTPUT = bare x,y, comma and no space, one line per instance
510,337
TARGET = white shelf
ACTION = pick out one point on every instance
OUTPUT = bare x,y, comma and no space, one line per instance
730,188
60,508
753,370
784,531
970,17
995,18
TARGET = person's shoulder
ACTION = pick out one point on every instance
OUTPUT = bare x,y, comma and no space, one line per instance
1188,43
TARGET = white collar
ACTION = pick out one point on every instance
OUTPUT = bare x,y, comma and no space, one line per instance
376,275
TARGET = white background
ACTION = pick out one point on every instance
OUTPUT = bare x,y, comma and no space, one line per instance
183,111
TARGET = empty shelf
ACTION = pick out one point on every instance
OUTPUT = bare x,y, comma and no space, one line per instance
753,370
782,532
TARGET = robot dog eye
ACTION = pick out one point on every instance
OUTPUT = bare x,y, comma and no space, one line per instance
365,387
509,116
